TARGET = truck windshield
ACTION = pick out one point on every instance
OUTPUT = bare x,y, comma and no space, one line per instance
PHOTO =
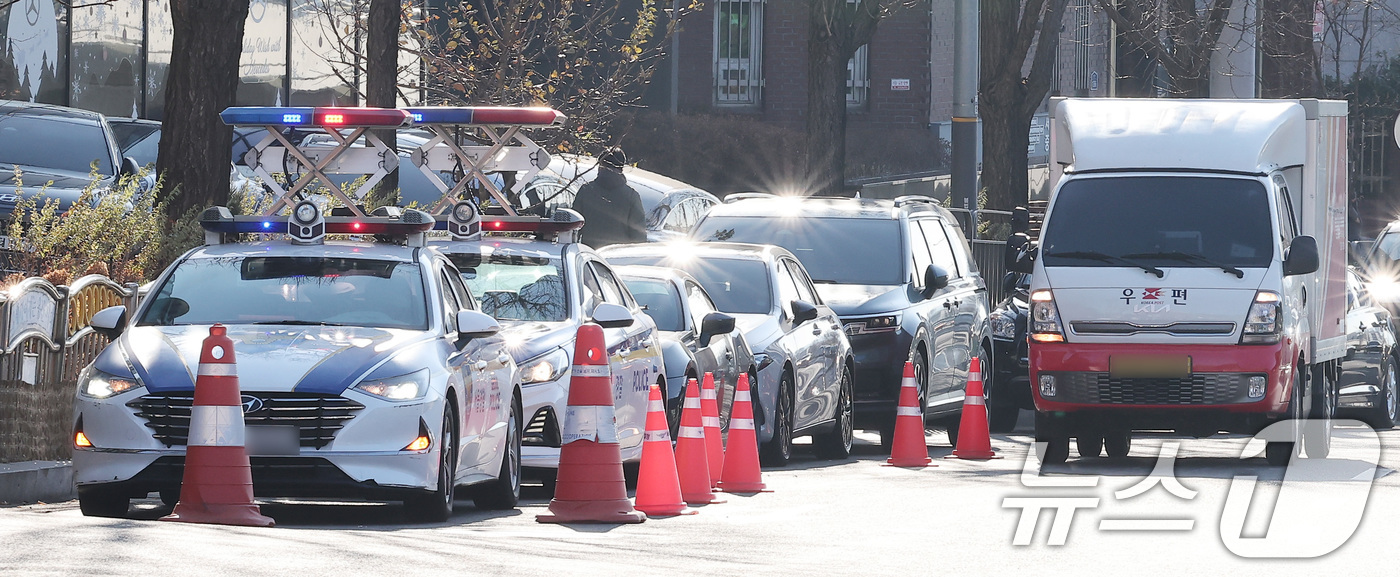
1171,221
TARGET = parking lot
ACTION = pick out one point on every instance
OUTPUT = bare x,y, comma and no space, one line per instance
856,517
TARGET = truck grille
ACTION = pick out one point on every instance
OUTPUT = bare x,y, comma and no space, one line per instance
318,416
1198,389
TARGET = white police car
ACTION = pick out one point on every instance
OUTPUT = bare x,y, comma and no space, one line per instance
541,289
365,368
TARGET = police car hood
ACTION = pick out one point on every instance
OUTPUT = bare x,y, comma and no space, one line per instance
317,359
529,339
1114,304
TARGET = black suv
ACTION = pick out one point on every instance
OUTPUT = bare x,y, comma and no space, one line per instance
901,277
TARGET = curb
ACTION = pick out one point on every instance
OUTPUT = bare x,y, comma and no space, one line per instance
35,481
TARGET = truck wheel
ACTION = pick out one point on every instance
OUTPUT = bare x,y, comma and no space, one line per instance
1279,453
1056,441
1317,430
1118,444
1089,446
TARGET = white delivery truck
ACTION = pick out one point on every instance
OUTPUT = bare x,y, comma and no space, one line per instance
1190,272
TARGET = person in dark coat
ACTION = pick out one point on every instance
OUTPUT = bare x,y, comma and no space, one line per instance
612,210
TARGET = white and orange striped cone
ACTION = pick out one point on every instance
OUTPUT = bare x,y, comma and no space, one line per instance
691,459
910,448
714,440
218,483
974,438
590,487
658,484
741,470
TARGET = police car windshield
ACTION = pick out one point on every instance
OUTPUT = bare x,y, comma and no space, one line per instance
1174,221
833,250
662,301
293,291
737,286
515,287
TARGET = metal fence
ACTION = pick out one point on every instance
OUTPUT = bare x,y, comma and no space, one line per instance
47,339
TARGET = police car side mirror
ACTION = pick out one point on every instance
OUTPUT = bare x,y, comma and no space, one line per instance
612,316
715,324
1301,256
109,322
474,325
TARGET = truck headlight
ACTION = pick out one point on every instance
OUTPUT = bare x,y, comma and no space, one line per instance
1045,324
1264,324
1003,325
401,388
99,385
544,368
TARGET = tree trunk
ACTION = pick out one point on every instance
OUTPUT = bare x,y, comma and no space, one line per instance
826,115
381,82
1289,63
195,145
1005,138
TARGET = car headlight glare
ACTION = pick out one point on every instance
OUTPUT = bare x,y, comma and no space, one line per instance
872,325
1003,325
544,368
401,388
1384,290
99,385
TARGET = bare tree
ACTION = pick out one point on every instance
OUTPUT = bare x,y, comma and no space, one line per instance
1009,94
1179,35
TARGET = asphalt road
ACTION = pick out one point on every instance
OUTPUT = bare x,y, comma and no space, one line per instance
855,517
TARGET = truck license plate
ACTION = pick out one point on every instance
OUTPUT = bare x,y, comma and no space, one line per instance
1149,366
273,440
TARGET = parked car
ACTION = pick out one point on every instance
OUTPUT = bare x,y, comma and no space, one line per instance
695,337
804,360
1380,269
56,150
900,275
1368,384
541,289
139,140
672,207
1010,377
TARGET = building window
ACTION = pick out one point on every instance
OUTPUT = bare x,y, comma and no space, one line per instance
858,78
738,51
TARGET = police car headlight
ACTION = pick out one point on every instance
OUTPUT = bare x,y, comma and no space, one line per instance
544,368
99,385
401,388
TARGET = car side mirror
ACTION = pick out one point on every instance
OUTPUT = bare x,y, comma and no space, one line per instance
109,322
1010,282
1020,220
1020,253
474,325
803,311
612,316
935,279
715,324
129,166
1301,256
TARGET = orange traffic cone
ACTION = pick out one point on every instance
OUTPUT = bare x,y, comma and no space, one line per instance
218,483
909,447
741,471
590,487
691,457
709,415
658,486
974,439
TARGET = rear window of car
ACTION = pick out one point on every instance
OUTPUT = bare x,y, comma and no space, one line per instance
833,250
737,286
66,144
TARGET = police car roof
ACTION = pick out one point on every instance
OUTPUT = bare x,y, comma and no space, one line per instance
823,207
330,248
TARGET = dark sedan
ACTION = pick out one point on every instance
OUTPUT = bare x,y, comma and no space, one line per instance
1368,383
61,151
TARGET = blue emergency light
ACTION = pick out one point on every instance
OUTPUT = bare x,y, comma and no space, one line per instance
320,116
497,115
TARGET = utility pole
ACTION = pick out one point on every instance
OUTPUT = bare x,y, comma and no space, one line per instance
964,169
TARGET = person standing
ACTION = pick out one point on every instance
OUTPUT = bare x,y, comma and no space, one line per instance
612,210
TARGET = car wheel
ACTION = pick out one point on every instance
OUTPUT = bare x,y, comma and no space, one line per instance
1002,408
954,426
920,377
778,451
170,497
1317,430
1384,415
836,444
1052,442
504,492
1278,453
673,412
1118,444
102,502
436,505
1089,446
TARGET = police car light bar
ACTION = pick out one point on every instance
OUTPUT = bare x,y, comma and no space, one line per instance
558,227
494,115
219,220
320,116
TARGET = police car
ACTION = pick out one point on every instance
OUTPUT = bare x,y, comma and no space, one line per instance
366,368
541,289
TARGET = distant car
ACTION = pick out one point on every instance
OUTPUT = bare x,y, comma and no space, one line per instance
57,150
139,140
1381,268
1368,387
672,207
804,360
695,337
902,278
541,289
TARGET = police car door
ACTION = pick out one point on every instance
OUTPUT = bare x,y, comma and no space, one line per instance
472,393
626,354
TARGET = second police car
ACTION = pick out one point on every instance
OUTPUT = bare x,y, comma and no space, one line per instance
365,367
541,289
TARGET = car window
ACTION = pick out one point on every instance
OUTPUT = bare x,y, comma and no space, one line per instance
833,250
736,285
662,300
514,287
939,250
681,218
966,264
459,290
291,290
612,290
805,291
918,248
700,304
66,144
1288,226
787,287
449,301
